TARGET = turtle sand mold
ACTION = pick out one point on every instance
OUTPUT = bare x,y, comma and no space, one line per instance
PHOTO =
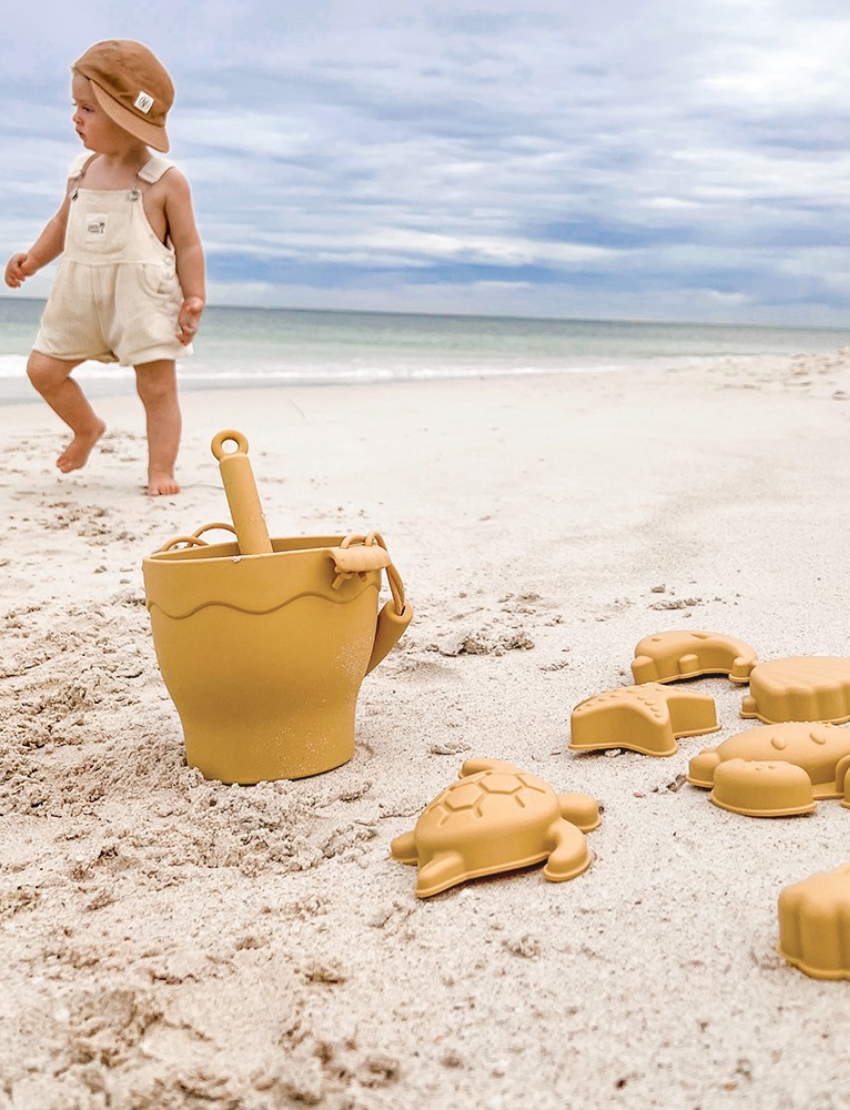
497,818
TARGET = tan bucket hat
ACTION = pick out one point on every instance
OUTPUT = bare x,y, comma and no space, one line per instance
131,86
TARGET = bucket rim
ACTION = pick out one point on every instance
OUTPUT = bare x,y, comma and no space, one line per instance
229,552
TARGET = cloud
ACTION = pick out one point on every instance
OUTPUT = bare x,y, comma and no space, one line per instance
410,152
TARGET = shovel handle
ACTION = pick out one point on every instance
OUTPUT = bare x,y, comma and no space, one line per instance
241,489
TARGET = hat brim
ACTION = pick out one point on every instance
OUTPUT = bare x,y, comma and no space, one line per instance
148,133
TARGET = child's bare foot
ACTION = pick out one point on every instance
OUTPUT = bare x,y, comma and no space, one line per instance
160,484
76,454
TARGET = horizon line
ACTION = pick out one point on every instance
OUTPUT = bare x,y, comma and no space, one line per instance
653,321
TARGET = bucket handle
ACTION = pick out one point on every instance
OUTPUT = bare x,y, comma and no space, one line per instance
396,614
195,539
381,560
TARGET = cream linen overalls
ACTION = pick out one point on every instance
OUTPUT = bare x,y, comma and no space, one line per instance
116,296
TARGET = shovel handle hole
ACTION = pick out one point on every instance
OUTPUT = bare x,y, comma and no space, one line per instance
229,436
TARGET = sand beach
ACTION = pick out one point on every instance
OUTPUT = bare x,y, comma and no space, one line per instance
169,942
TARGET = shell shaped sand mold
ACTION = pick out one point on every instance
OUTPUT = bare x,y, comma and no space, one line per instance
776,771
672,656
645,719
497,818
814,924
801,688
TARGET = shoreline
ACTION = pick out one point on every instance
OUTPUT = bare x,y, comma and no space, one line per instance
102,384
110,381
170,939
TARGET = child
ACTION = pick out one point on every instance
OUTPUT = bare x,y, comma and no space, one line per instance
130,285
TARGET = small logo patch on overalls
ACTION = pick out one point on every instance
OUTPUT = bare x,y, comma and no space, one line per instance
95,225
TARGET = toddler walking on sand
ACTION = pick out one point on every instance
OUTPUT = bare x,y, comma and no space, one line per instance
130,284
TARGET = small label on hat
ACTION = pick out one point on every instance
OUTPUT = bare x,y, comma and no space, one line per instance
144,102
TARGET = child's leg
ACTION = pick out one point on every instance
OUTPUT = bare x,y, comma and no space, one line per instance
157,386
52,378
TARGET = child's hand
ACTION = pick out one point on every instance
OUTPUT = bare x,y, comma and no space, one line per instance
188,319
18,269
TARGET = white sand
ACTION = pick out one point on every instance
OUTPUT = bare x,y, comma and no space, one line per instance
168,942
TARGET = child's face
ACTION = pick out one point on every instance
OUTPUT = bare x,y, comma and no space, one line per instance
97,131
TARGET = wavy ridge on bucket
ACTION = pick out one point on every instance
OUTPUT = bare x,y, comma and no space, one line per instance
347,600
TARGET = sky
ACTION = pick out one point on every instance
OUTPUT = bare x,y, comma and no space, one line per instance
610,160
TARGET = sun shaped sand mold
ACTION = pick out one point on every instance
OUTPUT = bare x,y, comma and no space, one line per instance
814,924
775,771
497,818
645,718
671,656
801,688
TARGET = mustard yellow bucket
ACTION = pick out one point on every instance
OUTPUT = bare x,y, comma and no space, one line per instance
263,643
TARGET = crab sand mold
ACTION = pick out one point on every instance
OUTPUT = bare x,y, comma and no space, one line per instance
776,770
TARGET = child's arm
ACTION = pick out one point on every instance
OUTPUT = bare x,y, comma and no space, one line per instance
189,254
47,247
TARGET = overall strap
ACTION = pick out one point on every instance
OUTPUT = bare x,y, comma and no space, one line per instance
79,165
153,169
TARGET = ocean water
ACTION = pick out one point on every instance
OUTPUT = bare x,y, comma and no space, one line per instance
271,347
